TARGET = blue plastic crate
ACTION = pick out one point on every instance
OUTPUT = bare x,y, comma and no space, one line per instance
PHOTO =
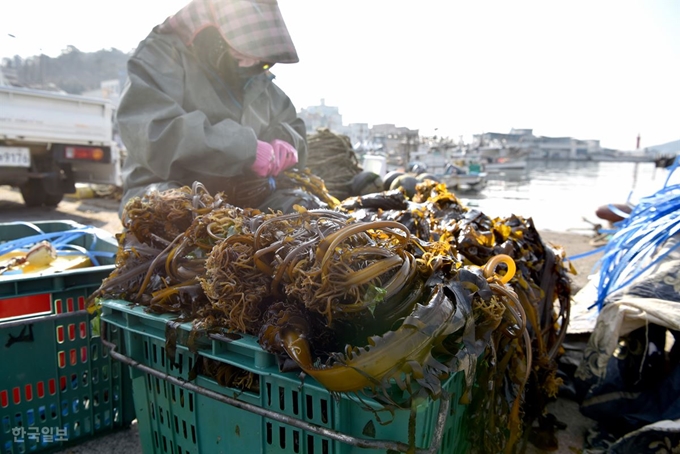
174,417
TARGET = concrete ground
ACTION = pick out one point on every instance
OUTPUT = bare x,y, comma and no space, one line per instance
102,213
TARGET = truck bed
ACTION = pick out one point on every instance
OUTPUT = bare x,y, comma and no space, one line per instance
41,116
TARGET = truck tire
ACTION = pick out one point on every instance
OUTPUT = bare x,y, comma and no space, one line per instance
390,177
52,200
407,182
427,176
366,183
35,194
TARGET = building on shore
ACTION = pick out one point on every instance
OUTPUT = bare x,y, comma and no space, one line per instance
397,142
494,148
392,140
525,143
322,116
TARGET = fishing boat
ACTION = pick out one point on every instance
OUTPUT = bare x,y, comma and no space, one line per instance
500,164
470,178
496,155
665,161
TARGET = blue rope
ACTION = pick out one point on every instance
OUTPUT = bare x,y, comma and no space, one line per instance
586,254
61,241
618,212
634,247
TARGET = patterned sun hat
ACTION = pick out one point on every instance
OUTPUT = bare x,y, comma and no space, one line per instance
254,28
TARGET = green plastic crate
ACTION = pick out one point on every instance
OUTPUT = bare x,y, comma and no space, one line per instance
58,386
173,419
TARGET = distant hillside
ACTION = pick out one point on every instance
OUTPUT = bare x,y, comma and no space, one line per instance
73,71
666,148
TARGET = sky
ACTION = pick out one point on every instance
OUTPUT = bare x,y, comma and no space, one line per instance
606,69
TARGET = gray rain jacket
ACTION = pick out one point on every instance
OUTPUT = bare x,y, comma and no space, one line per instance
180,122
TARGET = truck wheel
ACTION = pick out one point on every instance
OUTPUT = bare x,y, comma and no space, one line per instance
33,193
52,200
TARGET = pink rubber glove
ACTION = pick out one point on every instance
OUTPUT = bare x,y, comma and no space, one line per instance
286,156
265,160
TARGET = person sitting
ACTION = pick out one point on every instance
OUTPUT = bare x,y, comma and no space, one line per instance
201,105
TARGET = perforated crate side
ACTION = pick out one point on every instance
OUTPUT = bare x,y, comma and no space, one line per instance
172,419
55,374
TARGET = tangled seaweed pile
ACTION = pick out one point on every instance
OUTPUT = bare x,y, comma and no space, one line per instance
332,158
380,291
521,363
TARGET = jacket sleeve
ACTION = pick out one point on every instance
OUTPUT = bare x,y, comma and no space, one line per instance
168,142
286,125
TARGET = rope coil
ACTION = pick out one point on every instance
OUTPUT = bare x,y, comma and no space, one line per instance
640,241
59,240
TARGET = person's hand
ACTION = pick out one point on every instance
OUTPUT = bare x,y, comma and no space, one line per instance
264,159
286,155
273,158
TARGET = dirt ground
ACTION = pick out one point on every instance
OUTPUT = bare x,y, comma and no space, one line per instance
103,213
99,212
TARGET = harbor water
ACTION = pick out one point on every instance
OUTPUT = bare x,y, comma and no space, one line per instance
563,196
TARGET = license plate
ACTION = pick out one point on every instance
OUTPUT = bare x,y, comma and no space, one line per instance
15,157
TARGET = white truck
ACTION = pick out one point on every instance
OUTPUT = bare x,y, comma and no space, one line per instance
51,141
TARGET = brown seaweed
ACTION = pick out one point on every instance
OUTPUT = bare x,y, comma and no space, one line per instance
378,292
